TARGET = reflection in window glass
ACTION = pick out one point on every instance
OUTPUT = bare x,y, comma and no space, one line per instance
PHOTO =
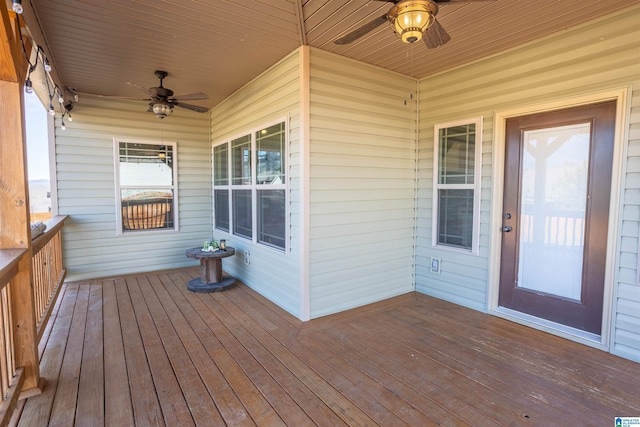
146,186
221,209
456,185
250,186
271,217
241,160
270,142
455,218
242,223
221,165
457,154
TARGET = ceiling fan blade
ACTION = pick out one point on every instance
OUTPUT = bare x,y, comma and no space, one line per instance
435,35
99,95
142,88
356,34
191,107
191,96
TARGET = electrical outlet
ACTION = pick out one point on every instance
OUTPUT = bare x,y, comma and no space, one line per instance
436,265
246,257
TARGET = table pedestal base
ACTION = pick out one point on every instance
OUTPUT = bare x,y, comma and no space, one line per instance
196,285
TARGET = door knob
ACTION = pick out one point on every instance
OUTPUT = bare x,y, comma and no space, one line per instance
507,228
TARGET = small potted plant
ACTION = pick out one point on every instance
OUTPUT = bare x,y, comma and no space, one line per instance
210,246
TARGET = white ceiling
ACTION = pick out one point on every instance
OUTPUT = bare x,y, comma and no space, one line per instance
217,46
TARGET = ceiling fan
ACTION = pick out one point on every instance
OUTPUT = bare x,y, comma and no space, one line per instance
412,20
162,101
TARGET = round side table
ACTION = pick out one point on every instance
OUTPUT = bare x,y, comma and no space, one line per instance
211,279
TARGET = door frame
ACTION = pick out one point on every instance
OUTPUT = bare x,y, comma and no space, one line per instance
622,97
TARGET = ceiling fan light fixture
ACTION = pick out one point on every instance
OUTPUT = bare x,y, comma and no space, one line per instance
162,109
412,18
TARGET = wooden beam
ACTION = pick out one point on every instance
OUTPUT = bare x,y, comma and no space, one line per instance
13,66
15,231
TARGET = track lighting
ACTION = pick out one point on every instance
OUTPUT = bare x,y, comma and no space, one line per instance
17,6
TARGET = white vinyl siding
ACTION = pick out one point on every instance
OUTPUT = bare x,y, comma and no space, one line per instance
362,183
266,100
85,167
594,57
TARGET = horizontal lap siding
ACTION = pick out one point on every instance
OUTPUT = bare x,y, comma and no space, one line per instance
591,58
273,95
362,180
86,188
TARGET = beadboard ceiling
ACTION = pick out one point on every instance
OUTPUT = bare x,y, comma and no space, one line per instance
217,46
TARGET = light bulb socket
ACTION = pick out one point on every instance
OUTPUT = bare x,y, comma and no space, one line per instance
60,99
47,66
52,111
70,118
17,6
28,86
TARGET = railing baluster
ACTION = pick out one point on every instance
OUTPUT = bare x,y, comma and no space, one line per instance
48,273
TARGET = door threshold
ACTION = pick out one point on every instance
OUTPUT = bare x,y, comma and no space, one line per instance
573,334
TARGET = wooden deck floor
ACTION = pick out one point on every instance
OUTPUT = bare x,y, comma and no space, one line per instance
142,350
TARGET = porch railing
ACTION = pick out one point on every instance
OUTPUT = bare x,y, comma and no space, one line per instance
48,272
47,277
11,379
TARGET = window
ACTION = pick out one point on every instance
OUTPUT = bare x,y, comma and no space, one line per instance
145,186
249,182
456,201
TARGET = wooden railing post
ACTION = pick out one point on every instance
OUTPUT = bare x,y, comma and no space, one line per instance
15,231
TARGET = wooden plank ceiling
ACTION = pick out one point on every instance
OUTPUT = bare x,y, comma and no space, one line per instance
217,46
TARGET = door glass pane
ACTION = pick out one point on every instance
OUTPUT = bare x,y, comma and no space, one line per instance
553,206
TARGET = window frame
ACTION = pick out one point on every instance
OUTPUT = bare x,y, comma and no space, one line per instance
476,186
173,187
253,186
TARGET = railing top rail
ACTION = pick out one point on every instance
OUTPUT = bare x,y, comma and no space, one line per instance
9,259
53,226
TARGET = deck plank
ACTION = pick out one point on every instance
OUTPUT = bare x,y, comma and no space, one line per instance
146,407
37,410
65,402
158,354
217,367
173,404
315,408
118,406
190,382
266,385
90,404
